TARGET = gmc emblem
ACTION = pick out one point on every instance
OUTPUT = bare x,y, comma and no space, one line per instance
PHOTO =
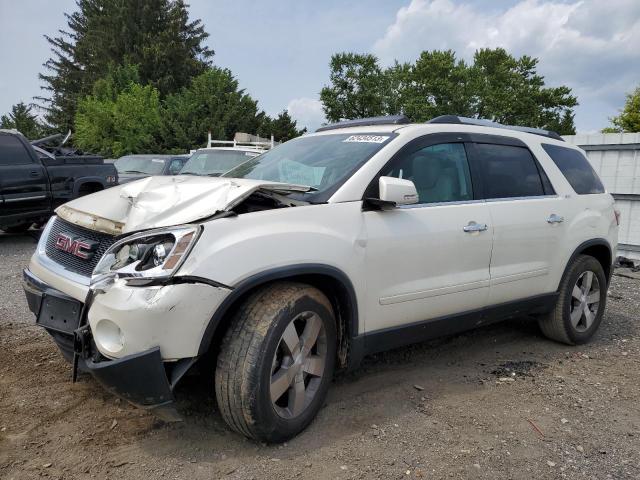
79,247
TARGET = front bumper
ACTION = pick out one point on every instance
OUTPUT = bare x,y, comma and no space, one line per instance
142,379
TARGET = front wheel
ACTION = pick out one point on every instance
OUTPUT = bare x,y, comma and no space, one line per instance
581,302
276,362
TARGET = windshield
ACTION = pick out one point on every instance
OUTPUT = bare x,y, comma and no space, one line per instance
215,162
140,164
321,162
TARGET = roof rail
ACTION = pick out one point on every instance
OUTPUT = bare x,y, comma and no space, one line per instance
364,122
488,123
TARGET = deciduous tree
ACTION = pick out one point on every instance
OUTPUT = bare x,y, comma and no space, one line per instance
212,102
629,118
120,117
496,86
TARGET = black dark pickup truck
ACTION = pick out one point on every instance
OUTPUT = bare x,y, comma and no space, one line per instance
34,181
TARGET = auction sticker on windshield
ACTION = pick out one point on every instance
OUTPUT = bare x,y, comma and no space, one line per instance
367,138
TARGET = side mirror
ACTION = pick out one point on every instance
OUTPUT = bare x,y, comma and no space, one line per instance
393,192
397,190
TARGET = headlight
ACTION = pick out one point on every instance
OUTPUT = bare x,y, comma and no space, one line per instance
151,254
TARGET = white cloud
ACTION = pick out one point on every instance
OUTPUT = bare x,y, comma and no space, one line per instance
591,46
307,112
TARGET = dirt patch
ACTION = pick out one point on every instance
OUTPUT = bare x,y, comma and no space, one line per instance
517,368
568,412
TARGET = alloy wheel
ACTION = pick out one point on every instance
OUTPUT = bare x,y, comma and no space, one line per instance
298,365
585,301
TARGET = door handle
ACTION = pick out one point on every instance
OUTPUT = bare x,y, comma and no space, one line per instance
553,218
475,227
34,173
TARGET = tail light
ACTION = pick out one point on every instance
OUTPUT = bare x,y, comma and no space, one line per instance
618,215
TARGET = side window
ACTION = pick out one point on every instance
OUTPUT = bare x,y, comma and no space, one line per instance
439,172
576,169
175,166
12,152
508,171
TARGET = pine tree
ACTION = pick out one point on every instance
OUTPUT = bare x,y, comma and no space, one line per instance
155,35
282,127
22,119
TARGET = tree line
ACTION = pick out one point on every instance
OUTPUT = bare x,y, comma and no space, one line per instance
138,77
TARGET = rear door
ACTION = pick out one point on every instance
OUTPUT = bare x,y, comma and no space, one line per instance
431,259
527,218
23,178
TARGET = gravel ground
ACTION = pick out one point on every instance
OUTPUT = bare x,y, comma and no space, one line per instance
498,402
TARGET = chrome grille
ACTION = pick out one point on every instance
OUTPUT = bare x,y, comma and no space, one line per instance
69,261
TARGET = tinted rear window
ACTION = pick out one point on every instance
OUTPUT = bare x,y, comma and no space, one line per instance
576,169
508,171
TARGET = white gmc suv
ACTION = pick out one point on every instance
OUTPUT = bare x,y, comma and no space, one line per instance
364,236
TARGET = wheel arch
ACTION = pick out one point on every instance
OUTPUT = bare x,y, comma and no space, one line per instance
598,248
331,281
95,183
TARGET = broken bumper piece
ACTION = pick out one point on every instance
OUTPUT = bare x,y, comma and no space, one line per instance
140,379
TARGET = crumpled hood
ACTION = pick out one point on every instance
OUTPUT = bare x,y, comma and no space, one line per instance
163,201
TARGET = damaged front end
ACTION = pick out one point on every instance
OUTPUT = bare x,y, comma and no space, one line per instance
143,379
157,202
118,307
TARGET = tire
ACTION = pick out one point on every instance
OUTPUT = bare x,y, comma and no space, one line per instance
256,363
19,228
573,304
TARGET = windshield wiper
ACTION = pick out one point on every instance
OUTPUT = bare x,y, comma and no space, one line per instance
135,171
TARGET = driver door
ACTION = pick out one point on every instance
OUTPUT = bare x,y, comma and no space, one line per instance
23,179
431,259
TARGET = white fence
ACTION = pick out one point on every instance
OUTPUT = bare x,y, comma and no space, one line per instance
616,158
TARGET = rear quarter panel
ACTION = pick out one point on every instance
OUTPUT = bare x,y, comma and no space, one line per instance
587,217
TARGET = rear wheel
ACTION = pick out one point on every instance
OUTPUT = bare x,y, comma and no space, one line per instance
581,303
276,362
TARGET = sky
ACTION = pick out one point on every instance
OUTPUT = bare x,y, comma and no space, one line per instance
280,50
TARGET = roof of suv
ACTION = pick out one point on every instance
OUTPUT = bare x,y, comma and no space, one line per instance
439,124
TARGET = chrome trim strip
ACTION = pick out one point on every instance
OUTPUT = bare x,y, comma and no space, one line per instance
439,204
471,202
434,292
38,197
533,197
46,262
59,270
519,276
